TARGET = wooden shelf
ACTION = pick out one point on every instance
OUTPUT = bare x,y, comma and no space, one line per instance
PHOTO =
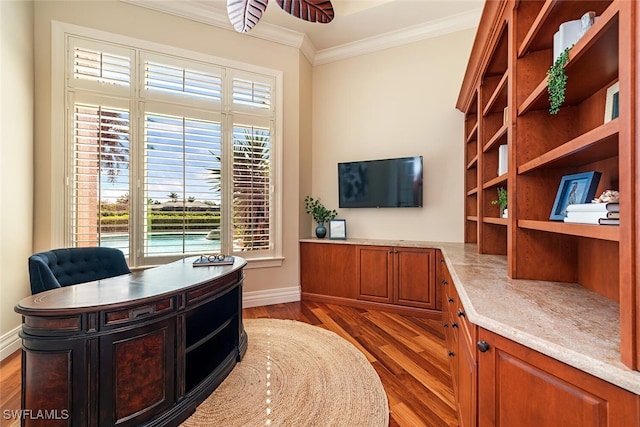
472,191
593,48
552,14
495,181
496,138
597,144
498,97
473,163
602,232
472,218
493,220
473,134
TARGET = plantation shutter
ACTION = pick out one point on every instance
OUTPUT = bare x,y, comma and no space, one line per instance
251,188
100,66
100,169
251,93
182,181
170,79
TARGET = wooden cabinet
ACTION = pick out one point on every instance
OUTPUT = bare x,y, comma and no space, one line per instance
518,386
505,101
460,343
394,278
498,382
397,275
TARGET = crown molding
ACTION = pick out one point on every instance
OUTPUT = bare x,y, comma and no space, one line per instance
427,30
201,12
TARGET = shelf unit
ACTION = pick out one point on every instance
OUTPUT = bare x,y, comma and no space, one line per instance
507,69
495,126
471,125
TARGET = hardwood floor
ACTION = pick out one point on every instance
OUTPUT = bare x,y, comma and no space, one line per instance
407,352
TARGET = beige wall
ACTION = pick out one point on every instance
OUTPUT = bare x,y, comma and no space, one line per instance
394,103
16,167
116,17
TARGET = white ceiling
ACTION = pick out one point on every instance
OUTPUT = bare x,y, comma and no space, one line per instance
359,26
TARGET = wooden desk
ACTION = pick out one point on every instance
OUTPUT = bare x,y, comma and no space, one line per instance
139,349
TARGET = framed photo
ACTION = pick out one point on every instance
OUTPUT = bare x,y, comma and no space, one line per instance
611,106
576,188
338,229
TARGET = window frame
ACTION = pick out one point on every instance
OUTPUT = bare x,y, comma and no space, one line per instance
61,131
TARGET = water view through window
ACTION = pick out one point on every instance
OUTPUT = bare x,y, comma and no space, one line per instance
166,243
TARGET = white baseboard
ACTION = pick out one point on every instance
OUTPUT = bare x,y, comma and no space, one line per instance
11,342
271,296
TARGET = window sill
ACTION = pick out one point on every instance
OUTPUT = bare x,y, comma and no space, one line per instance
264,262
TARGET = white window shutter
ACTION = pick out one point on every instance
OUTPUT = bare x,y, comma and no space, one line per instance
100,176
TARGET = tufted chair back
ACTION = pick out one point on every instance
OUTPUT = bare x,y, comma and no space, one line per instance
63,267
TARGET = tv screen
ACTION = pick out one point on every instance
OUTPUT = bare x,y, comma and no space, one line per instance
389,183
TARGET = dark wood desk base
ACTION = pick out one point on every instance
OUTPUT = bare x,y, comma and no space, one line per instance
147,360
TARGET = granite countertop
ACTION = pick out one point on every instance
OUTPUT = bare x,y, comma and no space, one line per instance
565,321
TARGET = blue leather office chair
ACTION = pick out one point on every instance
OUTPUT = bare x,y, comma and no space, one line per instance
70,266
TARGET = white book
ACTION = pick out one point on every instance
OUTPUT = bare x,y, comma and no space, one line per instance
582,220
503,159
586,216
594,207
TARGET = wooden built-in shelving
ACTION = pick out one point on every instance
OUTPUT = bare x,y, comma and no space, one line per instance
507,82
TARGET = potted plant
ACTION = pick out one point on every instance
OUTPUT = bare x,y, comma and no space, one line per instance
557,82
319,213
501,201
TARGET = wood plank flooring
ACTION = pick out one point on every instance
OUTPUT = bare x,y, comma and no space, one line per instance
407,352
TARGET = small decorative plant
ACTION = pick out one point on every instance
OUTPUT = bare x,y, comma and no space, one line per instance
557,82
317,210
502,198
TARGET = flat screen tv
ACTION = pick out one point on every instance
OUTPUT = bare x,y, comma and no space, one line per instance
388,183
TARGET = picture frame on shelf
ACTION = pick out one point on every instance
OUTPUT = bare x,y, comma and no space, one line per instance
575,188
611,106
338,229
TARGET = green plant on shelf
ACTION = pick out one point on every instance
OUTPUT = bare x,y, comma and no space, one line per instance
502,198
557,82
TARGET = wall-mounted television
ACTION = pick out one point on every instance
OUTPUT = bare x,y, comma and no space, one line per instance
388,183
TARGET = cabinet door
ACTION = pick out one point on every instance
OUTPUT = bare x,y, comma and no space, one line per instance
414,274
375,267
137,373
328,269
510,374
466,383
55,381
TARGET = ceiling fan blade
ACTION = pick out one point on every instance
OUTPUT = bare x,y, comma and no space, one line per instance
309,10
245,14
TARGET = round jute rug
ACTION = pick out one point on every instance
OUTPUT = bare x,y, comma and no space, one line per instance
296,375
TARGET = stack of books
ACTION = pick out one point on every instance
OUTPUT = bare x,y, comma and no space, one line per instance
594,213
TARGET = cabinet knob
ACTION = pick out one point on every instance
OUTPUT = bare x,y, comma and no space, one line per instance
454,325
451,353
450,300
446,325
483,346
442,260
444,282
461,313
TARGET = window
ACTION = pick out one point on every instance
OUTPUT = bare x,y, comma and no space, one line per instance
169,155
